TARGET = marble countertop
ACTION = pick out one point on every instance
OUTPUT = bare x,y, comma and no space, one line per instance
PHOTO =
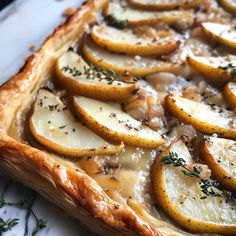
22,24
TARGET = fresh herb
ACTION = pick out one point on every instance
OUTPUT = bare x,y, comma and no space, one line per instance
93,72
207,186
6,225
73,71
40,224
172,158
112,21
62,127
24,204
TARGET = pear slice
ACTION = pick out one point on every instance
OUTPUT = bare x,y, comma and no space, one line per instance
229,5
54,126
182,197
79,77
136,65
223,33
205,118
125,41
220,155
219,70
125,13
108,120
164,5
230,94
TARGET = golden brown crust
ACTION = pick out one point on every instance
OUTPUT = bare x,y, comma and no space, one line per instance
75,191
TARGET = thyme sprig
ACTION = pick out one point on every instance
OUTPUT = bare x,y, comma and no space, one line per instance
6,225
207,185
24,204
93,72
73,71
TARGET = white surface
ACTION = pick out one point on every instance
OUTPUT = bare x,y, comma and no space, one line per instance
22,24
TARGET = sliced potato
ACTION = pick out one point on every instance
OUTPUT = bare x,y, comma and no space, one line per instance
182,198
229,5
230,94
219,70
223,33
220,155
91,81
111,122
139,17
165,5
125,41
204,118
136,65
56,128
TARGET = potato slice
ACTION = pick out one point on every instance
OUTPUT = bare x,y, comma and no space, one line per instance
182,198
230,94
223,33
220,155
125,41
125,13
229,5
56,128
165,5
91,81
219,70
204,118
136,65
111,122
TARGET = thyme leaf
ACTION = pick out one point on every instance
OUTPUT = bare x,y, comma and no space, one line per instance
73,71
24,204
93,72
6,225
172,158
207,186
40,224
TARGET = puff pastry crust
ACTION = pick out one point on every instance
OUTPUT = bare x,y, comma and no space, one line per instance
76,192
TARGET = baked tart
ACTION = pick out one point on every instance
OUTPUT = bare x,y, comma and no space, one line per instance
125,118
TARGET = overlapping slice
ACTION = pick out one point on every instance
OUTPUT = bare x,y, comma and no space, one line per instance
125,13
220,155
76,75
125,41
192,202
230,94
165,5
229,5
54,126
108,120
223,33
136,65
205,118
219,70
